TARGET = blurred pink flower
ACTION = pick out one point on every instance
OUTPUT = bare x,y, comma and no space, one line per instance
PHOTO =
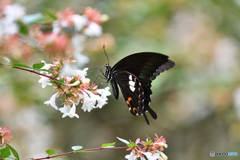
3,5
52,43
93,15
159,143
14,46
68,18
5,136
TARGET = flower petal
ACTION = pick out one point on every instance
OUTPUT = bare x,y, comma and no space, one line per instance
52,101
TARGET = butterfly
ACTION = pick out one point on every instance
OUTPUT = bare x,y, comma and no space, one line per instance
134,74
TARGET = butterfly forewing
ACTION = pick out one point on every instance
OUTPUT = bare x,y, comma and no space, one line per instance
143,65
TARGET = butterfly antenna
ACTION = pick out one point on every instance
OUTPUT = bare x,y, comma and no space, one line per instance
105,52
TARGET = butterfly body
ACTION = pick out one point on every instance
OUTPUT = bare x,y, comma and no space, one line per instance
134,74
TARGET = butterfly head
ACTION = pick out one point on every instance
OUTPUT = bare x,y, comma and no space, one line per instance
108,72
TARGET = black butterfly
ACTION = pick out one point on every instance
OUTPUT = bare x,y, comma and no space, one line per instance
134,75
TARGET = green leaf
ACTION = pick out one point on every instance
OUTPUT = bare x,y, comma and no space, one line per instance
75,148
148,142
108,144
38,66
131,144
50,152
21,65
45,70
61,82
14,152
50,14
23,29
5,152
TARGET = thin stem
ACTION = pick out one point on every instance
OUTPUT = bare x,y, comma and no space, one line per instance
52,156
72,152
29,70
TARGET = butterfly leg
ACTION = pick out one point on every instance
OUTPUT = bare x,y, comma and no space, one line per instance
101,76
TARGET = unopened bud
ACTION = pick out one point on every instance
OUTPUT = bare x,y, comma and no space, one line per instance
74,84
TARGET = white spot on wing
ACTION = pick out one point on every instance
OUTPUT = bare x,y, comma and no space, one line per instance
131,83
132,88
130,77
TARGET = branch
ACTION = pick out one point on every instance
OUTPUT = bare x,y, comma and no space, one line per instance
30,70
72,152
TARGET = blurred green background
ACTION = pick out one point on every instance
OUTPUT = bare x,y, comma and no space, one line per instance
197,101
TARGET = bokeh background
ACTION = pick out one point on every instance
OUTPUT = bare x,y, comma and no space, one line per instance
197,102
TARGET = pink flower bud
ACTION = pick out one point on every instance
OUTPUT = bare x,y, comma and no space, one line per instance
5,136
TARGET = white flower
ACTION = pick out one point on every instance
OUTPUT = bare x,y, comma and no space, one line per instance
93,30
68,111
82,73
45,81
89,101
104,92
102,100
52,101
46,66
69,70
77,43
151,156
131,156
142,158
12,13
79,21
81,59
164,157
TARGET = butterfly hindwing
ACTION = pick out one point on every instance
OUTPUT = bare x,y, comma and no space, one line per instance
133,93
147,100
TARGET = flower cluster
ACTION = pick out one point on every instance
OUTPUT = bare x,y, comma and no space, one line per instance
5,136
151,150
9,14
69,31
89,23
63,33
10,40
73,87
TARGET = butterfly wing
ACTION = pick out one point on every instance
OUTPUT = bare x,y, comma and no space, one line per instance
145,65
133,93
134,75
